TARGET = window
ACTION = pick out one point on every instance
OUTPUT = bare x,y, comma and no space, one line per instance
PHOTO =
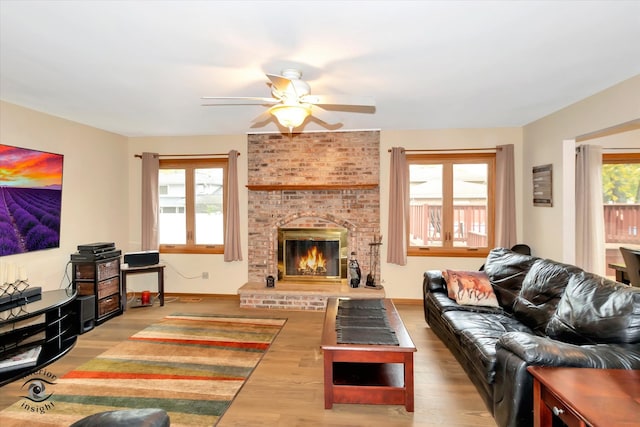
192,197
451,204
621,197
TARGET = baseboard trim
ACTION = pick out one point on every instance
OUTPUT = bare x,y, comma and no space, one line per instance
192,295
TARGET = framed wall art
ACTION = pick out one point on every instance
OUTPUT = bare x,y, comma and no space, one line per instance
30,200
543,185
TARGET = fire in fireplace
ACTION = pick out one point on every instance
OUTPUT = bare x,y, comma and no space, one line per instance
312,254
312,263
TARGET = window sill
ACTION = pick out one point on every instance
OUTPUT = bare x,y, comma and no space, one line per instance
445,252
192,250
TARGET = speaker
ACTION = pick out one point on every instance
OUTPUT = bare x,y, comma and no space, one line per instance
141,259
85,313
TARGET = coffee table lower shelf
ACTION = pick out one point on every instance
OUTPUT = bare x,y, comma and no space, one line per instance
372,383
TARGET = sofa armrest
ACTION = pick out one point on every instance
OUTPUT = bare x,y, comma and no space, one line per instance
539,350
433,282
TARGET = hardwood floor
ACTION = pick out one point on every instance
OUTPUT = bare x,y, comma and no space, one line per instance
286,389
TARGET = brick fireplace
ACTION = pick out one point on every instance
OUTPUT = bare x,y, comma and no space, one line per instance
323,181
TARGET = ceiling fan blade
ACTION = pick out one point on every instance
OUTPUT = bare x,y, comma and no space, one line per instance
240,100
280,83
324,115
262,119
365,101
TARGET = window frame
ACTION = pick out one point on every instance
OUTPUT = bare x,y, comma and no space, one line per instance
618,158
190,165
448,250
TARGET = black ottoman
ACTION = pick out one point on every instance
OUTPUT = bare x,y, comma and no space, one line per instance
126,418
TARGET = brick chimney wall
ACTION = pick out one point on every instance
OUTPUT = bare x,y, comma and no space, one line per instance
323,179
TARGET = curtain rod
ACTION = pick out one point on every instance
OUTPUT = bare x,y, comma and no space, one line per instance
187,155
451,149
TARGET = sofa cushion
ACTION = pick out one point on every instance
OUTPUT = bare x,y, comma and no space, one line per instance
458,321
476,335
506,271
440,302
471,288
594,309
480,347
541,291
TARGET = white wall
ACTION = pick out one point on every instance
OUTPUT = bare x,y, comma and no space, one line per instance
94,187
628,140
543,145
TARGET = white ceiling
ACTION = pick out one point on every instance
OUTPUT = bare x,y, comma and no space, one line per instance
139,67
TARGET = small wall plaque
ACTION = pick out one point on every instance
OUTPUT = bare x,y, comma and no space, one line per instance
542,185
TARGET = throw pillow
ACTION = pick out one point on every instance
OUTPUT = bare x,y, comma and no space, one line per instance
451,292
472,288
594,309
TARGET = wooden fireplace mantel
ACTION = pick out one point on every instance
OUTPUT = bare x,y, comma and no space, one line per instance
310,187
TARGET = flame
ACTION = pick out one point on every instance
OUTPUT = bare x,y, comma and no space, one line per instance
313,261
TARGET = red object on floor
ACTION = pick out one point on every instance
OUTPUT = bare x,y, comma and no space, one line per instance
145,298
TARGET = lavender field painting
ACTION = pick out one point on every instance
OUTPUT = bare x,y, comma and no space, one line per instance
30,200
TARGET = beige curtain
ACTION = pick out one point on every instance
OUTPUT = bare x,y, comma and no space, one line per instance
150,205
232,248
590,246
505,199
398,207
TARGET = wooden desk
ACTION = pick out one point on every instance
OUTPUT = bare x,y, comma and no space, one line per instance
586,397
155,268
621,273
367,373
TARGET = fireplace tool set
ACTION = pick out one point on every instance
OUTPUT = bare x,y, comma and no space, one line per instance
374,259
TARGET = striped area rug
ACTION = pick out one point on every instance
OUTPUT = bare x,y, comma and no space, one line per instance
192,366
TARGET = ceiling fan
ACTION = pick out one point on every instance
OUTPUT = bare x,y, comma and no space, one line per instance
292,101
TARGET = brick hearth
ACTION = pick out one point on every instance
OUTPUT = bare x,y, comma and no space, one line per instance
299,296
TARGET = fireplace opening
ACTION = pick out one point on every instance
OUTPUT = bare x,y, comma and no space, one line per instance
312,254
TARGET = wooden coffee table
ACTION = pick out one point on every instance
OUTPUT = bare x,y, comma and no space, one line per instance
586,397
367,373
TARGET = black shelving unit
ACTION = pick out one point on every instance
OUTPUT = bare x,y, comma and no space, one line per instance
49,322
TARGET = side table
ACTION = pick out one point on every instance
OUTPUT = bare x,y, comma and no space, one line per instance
585,396
155,268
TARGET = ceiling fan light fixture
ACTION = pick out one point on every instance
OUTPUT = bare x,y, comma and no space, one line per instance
290,115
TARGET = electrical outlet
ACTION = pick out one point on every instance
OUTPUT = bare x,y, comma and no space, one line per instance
205,274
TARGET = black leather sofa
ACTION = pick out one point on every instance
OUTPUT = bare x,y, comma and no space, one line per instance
549,314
